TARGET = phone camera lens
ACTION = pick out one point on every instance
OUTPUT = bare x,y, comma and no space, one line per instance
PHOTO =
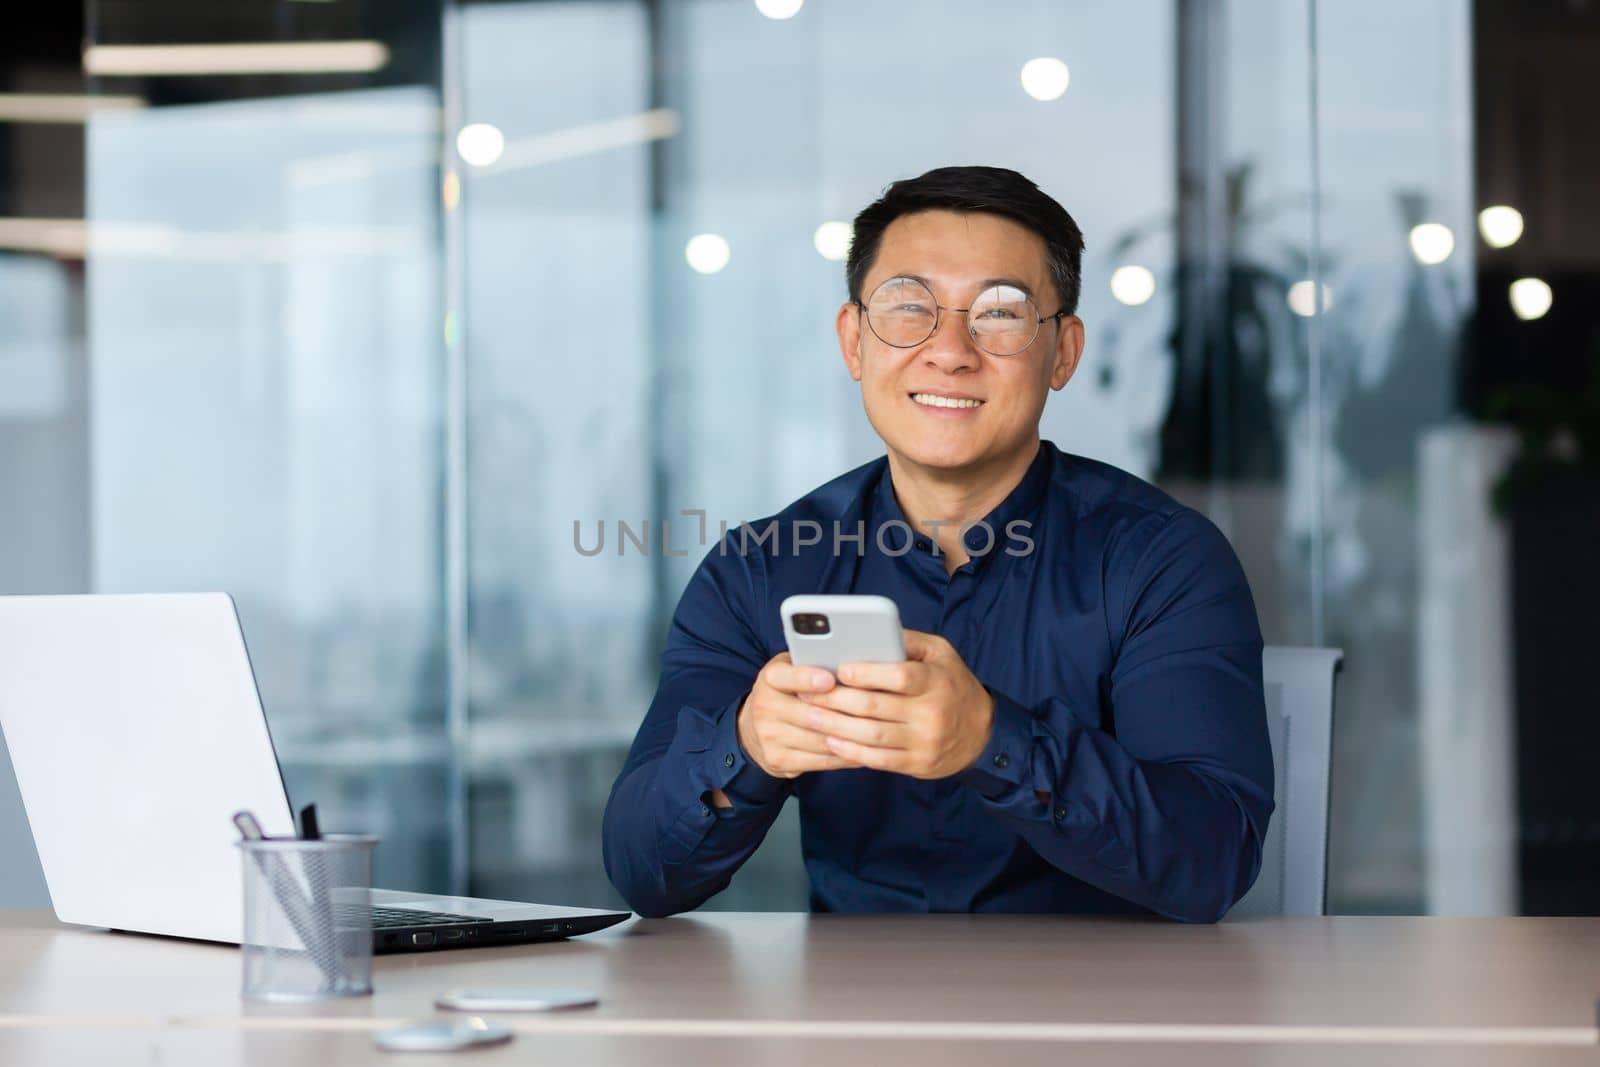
807,623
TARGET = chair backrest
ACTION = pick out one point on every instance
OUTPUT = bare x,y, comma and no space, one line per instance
21,878
1294,860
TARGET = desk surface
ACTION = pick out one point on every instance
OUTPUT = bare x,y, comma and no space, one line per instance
1391,985
179,1047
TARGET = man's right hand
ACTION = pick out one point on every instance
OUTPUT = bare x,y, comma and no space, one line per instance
772,721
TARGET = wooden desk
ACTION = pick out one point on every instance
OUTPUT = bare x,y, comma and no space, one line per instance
1375,987
191,1047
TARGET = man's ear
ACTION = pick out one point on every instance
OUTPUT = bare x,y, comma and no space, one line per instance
1069,350
848,327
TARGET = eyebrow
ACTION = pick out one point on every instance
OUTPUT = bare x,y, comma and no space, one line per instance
983,286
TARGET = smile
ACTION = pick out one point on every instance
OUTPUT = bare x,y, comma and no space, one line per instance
932,400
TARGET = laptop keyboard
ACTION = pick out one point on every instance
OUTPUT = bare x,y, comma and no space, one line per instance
389,918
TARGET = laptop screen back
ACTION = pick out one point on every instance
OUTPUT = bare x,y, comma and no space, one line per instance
136,731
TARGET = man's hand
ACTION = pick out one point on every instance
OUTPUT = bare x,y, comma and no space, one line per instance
928,717
773,726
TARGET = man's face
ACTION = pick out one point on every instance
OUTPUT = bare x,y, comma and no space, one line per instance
959,256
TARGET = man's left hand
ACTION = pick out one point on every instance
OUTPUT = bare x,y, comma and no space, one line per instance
928,717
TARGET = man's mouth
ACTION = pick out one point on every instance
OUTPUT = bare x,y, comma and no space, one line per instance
934,400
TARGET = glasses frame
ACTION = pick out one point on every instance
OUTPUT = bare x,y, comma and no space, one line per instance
939,309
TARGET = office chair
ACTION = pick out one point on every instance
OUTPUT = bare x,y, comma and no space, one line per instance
1299,686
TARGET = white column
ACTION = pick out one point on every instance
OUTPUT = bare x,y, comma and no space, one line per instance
1465,674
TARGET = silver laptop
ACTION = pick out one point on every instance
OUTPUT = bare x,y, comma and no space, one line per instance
136,731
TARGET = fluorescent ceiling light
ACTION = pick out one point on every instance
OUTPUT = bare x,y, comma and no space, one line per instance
64,108
185,60
67,238
78,239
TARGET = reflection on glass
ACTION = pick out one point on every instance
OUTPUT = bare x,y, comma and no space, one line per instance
265,420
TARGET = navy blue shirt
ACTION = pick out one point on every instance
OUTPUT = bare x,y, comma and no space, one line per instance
1114,628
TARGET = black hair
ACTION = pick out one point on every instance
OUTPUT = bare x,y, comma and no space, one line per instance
990,190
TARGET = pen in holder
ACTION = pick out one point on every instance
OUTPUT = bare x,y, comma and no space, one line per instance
307,917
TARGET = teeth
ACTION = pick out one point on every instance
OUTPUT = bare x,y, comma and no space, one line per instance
932,401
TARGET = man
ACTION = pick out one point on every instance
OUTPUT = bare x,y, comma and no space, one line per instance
1079,726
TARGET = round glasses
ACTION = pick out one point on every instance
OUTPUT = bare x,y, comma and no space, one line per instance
1002,321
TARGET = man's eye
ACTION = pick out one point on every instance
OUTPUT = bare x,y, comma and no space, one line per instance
999,313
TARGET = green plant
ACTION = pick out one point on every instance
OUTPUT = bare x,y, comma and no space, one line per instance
1558,431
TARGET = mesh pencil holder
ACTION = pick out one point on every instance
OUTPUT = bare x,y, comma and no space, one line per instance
307,918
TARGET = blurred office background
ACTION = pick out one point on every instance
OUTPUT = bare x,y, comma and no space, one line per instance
370,312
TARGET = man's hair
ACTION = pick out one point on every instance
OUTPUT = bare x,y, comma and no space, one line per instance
991,190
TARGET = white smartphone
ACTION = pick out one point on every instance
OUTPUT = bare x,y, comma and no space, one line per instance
515,999
825,631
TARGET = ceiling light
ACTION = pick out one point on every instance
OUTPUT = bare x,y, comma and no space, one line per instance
480,144
1045,78
780,9
1531,298
1301,300
1133,285
1432,243
707,252
78,239
832,240
64,108
1500,225
67,238
189,60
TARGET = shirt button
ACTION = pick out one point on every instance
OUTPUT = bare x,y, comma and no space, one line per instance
1002,760
1061,813
705,810
727,761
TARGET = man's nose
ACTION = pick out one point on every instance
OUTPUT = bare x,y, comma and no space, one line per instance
951,346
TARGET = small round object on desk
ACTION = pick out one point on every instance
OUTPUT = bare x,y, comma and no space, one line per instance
515,999
441,1036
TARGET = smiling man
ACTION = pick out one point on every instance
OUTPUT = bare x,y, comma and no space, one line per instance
1079,726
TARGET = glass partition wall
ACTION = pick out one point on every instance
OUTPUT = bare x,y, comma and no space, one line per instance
383,345
264,293
653,236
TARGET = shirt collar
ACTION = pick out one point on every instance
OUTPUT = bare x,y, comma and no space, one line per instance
1021,503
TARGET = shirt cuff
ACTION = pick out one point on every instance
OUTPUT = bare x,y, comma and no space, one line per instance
1006,765
727,768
